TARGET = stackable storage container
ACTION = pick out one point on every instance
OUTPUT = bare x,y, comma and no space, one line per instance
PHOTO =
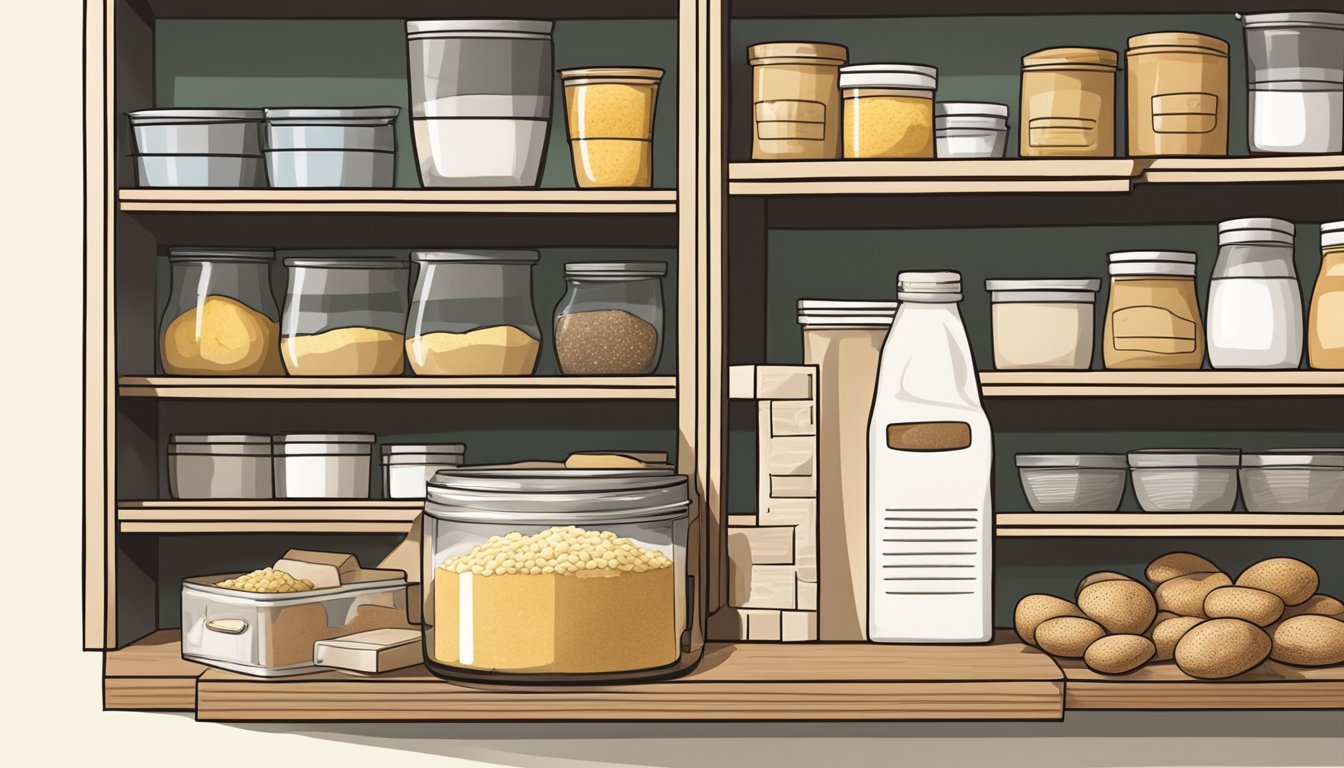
198,147
1068,103
1178,84
795,95
342,147
1295,71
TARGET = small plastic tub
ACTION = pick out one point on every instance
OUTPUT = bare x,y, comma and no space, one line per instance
198,147
1309,480
609,113
344,147
1043,324
1185,480
323,466
888,110
407,469
968,130
219,466
1072,482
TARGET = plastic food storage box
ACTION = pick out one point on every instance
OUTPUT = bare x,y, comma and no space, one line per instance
1309,481
219,466
323,466
198,147
1180,480
408,468
1072,482
352,147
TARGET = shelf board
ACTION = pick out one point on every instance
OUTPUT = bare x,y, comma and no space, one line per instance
1161,383
401,388
277,516
1164,686
399,201
150,674
410,9
1245,170
896,177
1140,524
787,9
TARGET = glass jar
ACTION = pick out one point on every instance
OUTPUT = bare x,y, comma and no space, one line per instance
344,317
1255,303
610,321
221,318
1152,318
472,314
1325,335
888,110
556,575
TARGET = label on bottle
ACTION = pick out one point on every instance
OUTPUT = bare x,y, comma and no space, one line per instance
927,436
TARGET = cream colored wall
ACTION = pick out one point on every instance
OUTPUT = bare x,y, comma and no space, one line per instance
49,692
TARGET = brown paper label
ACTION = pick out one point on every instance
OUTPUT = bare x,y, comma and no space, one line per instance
1152,329
929,436
1061,132
788,119
1185,113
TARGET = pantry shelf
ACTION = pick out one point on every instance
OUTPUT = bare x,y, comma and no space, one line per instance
896,177
150,674
267,516
809,9
376,201
408,9
401,388
1164,686
1162,383
1246,170
1164,525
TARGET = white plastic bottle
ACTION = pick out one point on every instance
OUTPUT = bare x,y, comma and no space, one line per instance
930,460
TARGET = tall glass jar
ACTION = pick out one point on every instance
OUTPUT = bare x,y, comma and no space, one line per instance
472,314
1255,303
610,321
221,318
1325,337
344,317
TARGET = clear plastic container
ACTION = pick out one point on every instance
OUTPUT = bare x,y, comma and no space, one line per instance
323,466
1072,482
472,314
1185,480
558,575
970,129
198,147
888,110
610,321
1282,481
1295,68
219,466
609,111
221,318
344,317
408,468
354,147
1255,304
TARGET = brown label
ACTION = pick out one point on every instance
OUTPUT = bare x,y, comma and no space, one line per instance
1185,113
1156,330
1061,132
929,436
796,120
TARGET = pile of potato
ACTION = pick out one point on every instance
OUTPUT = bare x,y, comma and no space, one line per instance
1213,627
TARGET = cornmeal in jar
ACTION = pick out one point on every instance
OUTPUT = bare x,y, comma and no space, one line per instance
221,335
499,350
887,123
345,352
610,119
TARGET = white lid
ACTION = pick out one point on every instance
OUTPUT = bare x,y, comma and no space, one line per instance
1264,230
315,438
846,314
1178,263
424,449
1168,458
190,115
416,30
1294,19
1319,460
1051,284
1332,234
1072,460
970,109
916,76
1180,257
929,287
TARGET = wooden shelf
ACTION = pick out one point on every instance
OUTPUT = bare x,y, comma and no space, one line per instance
805,9
1161,383
896,177
401,388
375,201
267,516
1141,524
1164,686
1245,170
409,9
150,674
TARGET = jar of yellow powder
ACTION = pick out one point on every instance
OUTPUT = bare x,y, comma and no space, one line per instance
221,318
609,111
472,314
888,110
344,317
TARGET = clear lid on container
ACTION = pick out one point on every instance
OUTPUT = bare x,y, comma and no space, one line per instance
1319,460
1165,263
1332,234
1071,58
815,313
333,115
631,75
1255,230
1293,19
220,254
176,115
554,496
1072,460
1173,458
502,28
1061,291
918,77
320,262
479,257
615,270
1206,44
929,287
801,52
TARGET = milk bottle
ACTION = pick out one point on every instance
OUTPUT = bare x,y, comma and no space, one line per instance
930,456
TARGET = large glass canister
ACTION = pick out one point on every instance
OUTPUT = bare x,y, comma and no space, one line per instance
610,321
472,314
344,317
1255,304
555,575
221,318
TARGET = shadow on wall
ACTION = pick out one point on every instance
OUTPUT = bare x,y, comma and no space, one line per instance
1097,740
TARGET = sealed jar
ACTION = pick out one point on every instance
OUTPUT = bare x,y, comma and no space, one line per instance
1068,103
558,575
795,99
970,129
221,318
219,466
610,321
472,314
1043,324
344,317
1178,84
1152,318
888,110
311,466
407,468
1255,303
609,113
1295,69
1325,334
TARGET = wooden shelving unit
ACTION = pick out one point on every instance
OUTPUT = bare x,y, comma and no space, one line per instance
267,516
401,388
1165,687
389,201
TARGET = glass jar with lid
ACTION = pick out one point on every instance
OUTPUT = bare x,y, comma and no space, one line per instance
557,575
344,317
1255,303
1325,334
1152,318
221,318
472,314
610,321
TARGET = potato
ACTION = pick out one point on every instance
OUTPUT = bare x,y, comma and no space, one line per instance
1168,632
1292,580
1122,606
1316,605
1254,605
1034,609
1099,576
1173,564
1309,641
1221,648
1116,654
1068,636
1184,595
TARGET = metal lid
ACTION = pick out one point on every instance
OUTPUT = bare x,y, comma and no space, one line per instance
1167,458
640,74
220,254
1316,460
970,109
525,28
1070,284
1101,58
344,263
615,270
820,53
1194,40
929,287
913,76
829,313
333,114
519,495
1072,460
220,439
316,438
1332,234
435,449
1294,19
480,257
203,115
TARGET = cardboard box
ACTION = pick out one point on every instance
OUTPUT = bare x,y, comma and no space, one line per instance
372,652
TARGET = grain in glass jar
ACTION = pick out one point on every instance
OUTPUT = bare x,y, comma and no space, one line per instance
609,112
1068,103
1177,86
610,321
795,98
888,110
1325,333
344,317
221,318
1152,319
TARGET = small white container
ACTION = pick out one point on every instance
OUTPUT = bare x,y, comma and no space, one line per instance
407,469
1043,324
1255,304
1072,482
1180,480
219,466
1279,481
323,466
970,129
